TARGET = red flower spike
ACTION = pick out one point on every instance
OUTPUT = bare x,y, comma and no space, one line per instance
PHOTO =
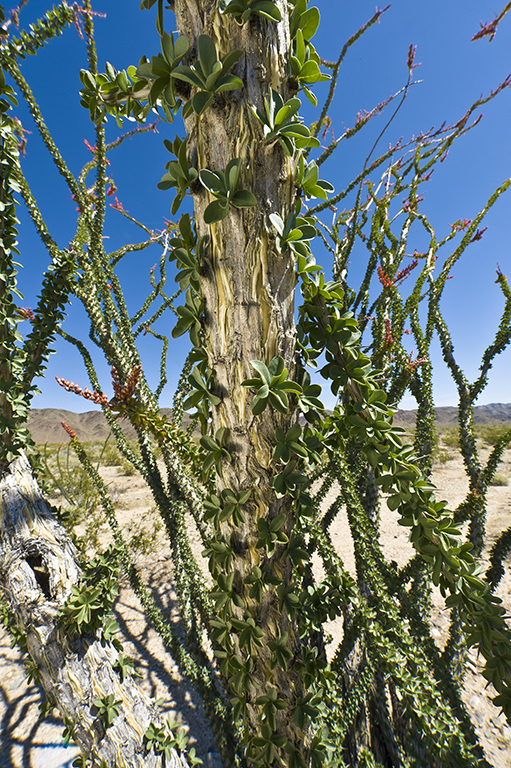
95,397
411,58
384,280
478,235
25,313
70,432
412,364
124,392
388,341
403,273
117,206
461,224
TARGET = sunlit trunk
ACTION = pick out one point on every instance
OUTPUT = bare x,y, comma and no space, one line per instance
248,292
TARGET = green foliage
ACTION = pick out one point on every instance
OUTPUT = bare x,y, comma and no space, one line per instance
272,386
307,178
270,534
122,93
289,443
123,664
13,406
164,742
91,604
224,187
186,250
179,174
108,709
280,123
295,235
243,9
209,74
260,550
217,453
45,29
158,73
189,318
304,61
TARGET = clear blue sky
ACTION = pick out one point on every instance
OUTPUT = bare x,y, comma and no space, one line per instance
454,73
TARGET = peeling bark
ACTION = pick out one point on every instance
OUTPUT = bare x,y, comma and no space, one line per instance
248,292
38,567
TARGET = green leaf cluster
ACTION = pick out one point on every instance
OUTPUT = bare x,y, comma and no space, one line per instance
169,738
270,534
189,318
227,505
179,174
186,250
200,391
294,234
280,123
216,451
209,74
259,581
264,747
243,9
134,92
108,709
89,607
156,76
272,386
224,186
307,178
304,61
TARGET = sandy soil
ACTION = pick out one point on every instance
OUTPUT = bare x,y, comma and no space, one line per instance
27,743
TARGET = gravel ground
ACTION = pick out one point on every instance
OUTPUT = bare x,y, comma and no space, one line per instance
28,743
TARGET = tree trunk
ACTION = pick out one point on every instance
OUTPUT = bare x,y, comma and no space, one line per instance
38,567
248,292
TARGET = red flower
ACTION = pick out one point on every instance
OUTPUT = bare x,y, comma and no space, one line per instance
478,235
68,429
460,224
25,313
388,341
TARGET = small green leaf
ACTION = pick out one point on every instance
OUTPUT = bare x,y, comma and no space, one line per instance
207,54
212,182
232,174
243,199
309,23
262,370
216,211
201,101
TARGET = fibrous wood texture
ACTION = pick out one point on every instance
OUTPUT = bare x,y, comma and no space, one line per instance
38,567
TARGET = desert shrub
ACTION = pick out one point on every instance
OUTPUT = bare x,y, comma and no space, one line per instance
449,437
111,456
127,468
499,480
63,476
142,538
492,433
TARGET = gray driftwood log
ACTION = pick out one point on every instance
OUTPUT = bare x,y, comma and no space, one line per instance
38,567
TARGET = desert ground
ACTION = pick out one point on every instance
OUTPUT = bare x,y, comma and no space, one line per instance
28,743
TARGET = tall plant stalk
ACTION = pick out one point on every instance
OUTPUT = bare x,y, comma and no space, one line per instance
256,481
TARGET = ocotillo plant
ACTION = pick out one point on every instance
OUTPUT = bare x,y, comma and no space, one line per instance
269,452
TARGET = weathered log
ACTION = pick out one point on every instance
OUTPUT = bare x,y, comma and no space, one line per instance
38,567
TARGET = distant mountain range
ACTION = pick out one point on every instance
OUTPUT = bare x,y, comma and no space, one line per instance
45,423
494,413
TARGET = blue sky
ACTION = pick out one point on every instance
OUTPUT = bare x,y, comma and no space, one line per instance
454,73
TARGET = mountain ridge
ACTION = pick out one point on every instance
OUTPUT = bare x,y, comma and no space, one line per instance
91,426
